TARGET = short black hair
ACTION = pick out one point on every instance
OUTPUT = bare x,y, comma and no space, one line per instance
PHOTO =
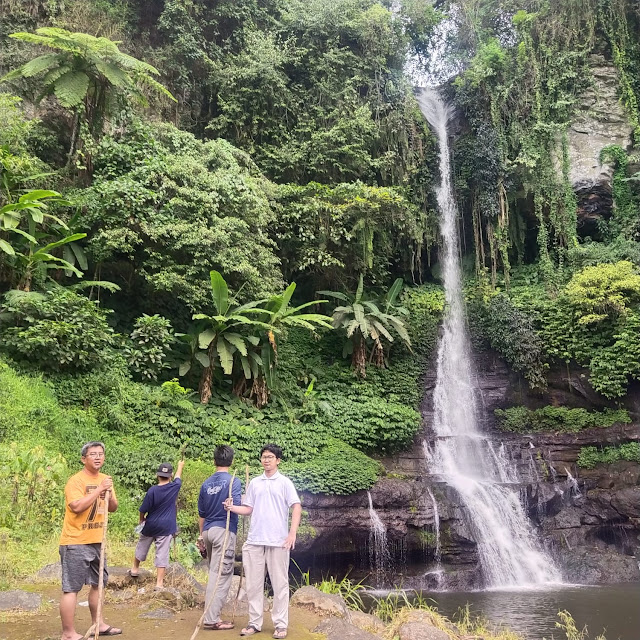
223,455
272,448
91,445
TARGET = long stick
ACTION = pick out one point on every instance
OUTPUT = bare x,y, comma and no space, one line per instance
235,602
224,548
95,628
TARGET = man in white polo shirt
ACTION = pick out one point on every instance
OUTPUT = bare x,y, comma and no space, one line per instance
268,500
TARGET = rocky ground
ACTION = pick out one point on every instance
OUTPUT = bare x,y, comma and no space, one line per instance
31,613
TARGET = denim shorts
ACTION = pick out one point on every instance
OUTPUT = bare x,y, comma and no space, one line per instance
80,566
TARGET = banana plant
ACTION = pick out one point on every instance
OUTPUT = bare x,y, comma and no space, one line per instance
281,316
220,343
363,319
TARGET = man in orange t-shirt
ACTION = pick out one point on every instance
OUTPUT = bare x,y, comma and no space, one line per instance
84,496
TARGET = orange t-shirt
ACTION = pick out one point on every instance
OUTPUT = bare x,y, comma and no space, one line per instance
85,527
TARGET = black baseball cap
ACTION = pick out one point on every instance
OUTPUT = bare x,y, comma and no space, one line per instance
165,470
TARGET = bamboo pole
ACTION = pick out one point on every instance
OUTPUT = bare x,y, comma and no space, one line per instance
235,602
95,628
224,548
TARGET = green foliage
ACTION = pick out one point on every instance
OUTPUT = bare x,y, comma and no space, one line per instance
511,331
324,231
85,72
557,419
56,331
603,292
591,456
338,469
365,319
369,422
151,341
30,484
165,209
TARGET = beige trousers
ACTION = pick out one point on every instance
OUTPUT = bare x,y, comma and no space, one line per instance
214,540
274,560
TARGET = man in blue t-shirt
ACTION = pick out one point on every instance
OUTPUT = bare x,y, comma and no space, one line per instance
213,522
158,514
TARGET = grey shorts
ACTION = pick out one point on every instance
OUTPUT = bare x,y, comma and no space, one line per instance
163,544
80,566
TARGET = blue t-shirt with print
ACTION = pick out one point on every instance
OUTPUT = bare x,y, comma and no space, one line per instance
213,493
160,506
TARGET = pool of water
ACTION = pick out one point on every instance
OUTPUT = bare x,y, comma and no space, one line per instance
610,609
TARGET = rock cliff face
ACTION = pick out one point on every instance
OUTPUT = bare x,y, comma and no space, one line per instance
600,121
589,520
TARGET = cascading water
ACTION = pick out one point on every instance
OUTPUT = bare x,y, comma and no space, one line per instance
379,557
461,455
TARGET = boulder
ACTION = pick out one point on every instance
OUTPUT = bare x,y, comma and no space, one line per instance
119,578
50,572
339,629
421,631
20,600
367,622
323,604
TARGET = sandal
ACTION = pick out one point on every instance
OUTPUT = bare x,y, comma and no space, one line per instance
280,632
110,631
249,630
218,626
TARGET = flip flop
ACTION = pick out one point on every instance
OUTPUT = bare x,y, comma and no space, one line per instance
133,575
111,631
280,632
223,625
250,630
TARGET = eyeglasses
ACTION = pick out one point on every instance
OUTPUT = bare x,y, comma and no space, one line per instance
94,455
267,458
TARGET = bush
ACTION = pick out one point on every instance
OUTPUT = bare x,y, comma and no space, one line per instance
369,423
151,342
557,419
340,469
57,331
591,456
511,332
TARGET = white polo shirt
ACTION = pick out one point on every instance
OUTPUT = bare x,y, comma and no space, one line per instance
271,499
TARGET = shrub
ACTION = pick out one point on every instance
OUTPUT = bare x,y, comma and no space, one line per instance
557,419
511,331
56,331
591,456
151,341
339,469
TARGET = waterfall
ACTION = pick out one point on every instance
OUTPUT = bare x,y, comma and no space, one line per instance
573,484
461,455
436,524
379,557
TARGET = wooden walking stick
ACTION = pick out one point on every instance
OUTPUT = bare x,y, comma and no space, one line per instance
95,628
235,602
207,605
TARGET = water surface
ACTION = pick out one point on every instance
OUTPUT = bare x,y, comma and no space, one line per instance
612,609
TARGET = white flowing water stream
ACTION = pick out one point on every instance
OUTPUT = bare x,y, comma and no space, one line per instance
379,556
461,455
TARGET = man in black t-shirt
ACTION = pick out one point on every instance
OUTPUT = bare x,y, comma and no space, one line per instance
158,514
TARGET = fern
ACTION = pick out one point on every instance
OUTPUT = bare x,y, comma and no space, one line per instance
71,88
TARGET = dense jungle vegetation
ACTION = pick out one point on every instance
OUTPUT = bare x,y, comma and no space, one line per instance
217,224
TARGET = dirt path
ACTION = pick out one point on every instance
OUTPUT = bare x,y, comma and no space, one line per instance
179,626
